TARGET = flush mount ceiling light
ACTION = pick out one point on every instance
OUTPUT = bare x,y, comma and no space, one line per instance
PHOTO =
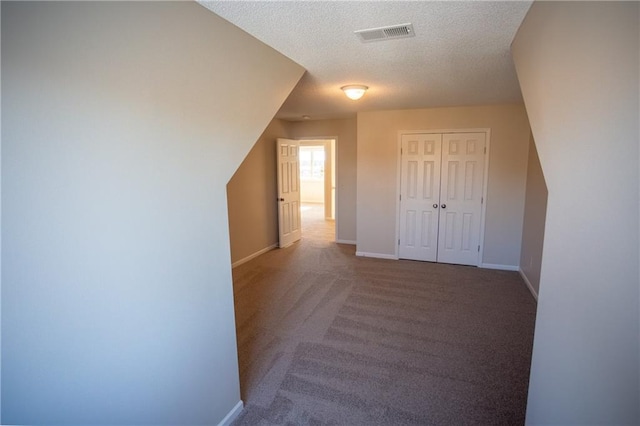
354,91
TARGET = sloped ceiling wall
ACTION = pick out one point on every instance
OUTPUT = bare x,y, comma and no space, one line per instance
121,124
578,67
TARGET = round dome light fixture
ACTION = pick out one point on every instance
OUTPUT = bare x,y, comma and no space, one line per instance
354,91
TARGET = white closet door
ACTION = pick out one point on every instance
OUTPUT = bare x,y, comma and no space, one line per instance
420,188
461,198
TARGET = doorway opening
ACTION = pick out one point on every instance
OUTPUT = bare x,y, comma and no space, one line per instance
317,188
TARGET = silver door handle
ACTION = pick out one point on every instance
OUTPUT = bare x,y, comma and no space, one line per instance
444,206
435,206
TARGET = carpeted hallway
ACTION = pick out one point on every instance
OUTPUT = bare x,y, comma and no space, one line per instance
328,338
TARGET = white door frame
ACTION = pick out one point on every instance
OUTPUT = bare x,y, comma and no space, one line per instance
328,186
485,179
335,204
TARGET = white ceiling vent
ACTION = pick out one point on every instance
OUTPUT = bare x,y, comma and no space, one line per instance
385,33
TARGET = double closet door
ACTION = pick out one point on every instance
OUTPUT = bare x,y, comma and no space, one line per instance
441,196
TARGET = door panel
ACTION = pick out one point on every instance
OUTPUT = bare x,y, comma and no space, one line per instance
461,197
420,183
289,223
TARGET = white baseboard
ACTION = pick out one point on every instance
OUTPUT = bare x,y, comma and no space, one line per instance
528,283
351,242
500,267
232,415
254,255
376,255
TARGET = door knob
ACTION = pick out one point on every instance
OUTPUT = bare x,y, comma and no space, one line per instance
435,206
444,206
280,199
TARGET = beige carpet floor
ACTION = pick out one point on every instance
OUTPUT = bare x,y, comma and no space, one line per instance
328,338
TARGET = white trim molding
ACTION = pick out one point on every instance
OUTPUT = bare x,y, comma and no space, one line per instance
254,255
377,255
350,242
232,415
528,283
500,267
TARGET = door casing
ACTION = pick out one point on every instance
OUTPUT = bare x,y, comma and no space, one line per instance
487,133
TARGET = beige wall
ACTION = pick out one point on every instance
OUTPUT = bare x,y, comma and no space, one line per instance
578,67
121,124
345,133
377,170
252,194
535,212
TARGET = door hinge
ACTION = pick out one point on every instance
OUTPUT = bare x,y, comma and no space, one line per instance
485,149
400,197
481,200
478,249
398,241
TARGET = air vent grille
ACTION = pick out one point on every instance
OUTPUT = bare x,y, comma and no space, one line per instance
385,33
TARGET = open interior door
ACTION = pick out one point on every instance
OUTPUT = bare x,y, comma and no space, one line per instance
289,221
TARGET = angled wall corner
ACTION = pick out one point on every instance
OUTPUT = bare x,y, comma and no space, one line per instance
535,212
253,216
251,197
121,124
578,67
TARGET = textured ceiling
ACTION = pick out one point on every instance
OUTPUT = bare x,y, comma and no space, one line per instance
459,55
